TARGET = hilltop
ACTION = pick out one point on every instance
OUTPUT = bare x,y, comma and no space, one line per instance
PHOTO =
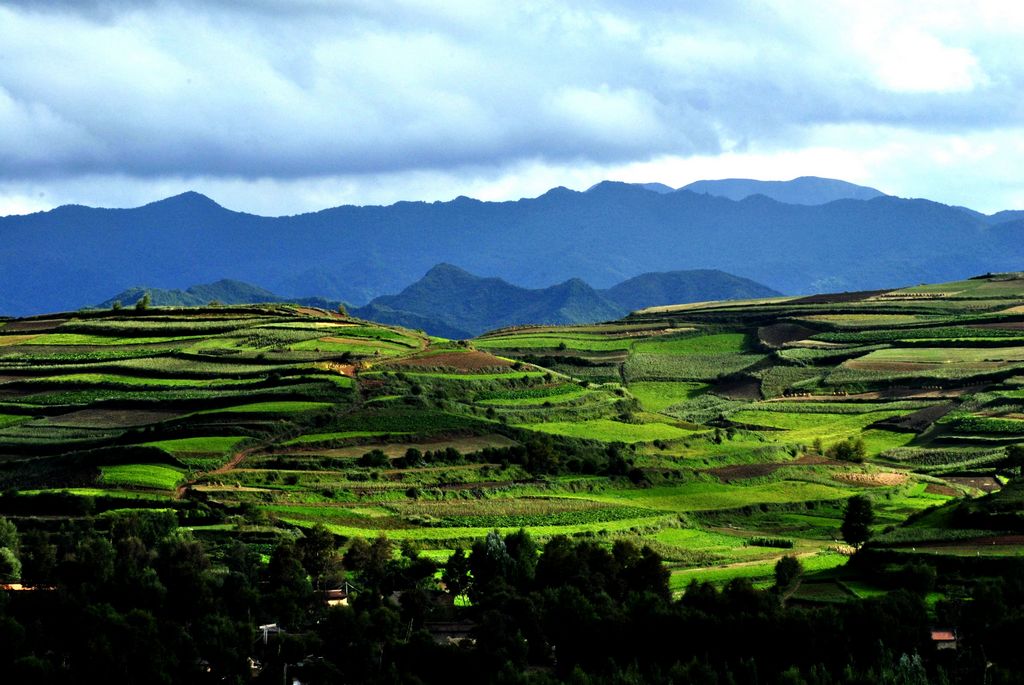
453,303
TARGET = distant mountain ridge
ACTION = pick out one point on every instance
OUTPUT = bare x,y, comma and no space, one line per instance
453,303
73,256
806,190
471,305
224,291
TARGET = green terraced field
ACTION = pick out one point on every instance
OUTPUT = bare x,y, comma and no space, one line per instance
152,476
658,395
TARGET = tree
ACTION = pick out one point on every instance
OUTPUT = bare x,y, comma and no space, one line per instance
318,555
142,304
455,575
10,567
858,516
852,449
1015,456
8,535
788,570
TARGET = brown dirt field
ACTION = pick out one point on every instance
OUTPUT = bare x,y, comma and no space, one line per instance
779,334
747,471
987,541
344,369
1006,325
473,360
918,420
108,418
935,489
871,479
7,340
319,313
742,389
983,483
838,298
744,471
896,393
34,326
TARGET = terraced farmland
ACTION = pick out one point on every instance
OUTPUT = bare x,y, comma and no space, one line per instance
694,429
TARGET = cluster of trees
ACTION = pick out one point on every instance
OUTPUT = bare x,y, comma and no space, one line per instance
852,449
538,455
131,598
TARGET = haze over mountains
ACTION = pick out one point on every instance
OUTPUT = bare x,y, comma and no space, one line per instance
806,190
453,303
75,256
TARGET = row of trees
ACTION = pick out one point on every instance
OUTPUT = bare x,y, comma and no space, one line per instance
131,598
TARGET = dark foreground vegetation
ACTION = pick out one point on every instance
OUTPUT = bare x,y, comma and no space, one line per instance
131,598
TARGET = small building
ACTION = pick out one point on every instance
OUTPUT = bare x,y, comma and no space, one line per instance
944,638
451,632
336,598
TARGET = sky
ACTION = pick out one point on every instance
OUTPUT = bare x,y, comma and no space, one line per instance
285,106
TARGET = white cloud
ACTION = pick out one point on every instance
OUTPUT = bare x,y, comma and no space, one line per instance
281,106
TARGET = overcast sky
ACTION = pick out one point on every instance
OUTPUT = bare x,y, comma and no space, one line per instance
283,106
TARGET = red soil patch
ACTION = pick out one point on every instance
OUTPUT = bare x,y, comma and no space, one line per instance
473,360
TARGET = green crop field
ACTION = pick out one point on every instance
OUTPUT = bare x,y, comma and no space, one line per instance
720,344
658,395
152,476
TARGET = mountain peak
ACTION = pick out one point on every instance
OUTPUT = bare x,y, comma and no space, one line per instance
190,199
446,270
